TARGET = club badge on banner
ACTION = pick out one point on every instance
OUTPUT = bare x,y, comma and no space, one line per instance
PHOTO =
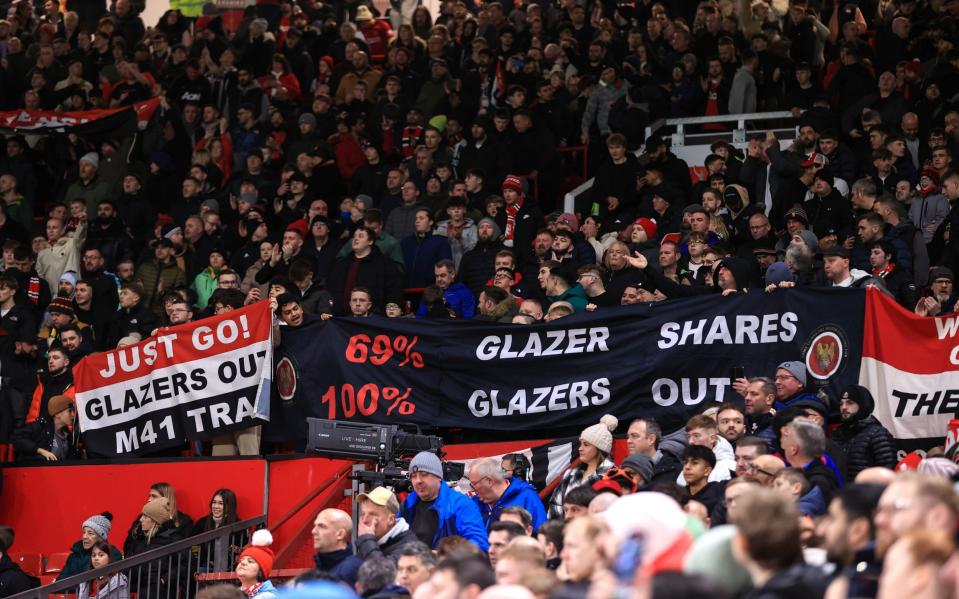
187,382
911,365
661,360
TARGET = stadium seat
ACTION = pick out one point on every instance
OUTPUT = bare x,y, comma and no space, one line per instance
29,562
55,562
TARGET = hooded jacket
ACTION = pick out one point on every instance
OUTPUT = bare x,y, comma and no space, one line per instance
457,516
519,492
864,441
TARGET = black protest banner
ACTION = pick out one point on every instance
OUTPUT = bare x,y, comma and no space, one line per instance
187,382
645,360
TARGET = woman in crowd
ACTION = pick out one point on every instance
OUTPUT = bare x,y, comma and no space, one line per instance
595,447
112,587
222,513
157,528
254,566
95,530
180,520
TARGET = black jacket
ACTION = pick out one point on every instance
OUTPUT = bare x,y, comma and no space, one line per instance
477,266
158,578
864,441
13,580
376,272
529,220
138,319
367,547
39,435
799,581
666,470
820,475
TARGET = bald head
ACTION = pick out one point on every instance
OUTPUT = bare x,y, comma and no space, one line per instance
506,591
767,466
332,530
876,476
910,125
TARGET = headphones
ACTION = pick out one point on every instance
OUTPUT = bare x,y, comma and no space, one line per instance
519,465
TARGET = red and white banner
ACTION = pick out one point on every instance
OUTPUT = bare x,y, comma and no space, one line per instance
187,382
106,121
911,365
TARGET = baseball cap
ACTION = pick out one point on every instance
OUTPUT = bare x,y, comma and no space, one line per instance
382,497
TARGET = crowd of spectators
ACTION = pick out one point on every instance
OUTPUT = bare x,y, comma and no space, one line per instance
332,160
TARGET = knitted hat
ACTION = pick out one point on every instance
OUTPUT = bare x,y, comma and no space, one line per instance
158,510
428,462
513,182
777,273
496,230
61,305
100,524
58,403
601,435
259,550
648,225
797,213
810,239
70,277
642,464
931,173
298,226
569,219
307,118
92,158
797,369
711,556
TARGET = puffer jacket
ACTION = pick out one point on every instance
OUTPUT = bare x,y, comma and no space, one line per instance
864,441
163,576
520,493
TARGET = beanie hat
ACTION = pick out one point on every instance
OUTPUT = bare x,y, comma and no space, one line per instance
61,305
711,556
601,435
92,158
797,213
70,277
428,462
810,239
58,403
642,464
298,226
648,225
259,550
100,524
496,230
777,273
932,173
438,121
158,510
569,219
797,369
307,118
513,182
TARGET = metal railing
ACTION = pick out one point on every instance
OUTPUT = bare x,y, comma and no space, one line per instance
167,572
680,138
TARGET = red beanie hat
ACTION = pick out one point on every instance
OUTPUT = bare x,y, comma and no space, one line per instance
259,550
299,226
648,225
513,182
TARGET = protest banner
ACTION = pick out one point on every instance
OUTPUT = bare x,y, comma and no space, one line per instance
661,360
911,366
187,382
100,122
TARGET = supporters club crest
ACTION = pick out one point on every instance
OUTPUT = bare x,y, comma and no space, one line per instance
286,379
825,353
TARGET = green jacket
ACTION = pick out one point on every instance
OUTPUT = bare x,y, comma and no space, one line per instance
150,274
575,295
93,192
205,284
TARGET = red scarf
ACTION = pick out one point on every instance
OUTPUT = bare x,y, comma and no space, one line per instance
251,591
882,272
511,212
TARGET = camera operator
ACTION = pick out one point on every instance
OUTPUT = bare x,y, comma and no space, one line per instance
434,511
380,532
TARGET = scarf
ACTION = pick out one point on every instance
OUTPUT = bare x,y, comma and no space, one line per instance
511,212
882,272
399,528
252,589
33,289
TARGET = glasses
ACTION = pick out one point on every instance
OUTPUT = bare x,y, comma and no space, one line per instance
476,484
785,377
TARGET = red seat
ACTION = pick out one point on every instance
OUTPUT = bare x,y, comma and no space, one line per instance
55,562
46,579
29,562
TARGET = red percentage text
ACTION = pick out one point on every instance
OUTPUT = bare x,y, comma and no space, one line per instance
381,348
348,401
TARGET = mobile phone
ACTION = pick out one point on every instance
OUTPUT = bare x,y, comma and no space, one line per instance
736,373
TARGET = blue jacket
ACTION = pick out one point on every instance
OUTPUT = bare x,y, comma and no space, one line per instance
458,516
342,565
266,591
812,503
459,298
779,405
421,254
519,492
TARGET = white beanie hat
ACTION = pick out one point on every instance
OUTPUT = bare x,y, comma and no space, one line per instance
92,158
601,435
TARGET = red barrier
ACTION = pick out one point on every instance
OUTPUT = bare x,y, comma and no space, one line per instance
46,505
